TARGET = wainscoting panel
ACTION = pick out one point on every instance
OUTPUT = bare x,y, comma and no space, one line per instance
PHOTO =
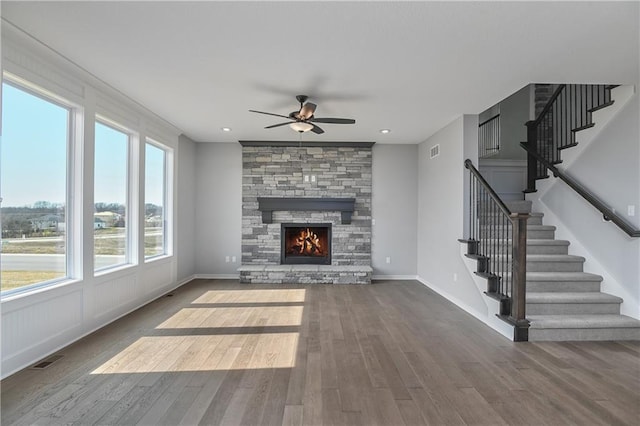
115,295
158,276
40,323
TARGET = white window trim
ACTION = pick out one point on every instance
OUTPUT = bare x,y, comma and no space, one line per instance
73,182
167,202
132,196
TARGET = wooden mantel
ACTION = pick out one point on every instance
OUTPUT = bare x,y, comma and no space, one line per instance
345,206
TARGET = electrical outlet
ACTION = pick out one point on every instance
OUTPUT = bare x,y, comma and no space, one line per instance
388,259
306,178
226,259
455,277
313,178
373,222
233,259
631,210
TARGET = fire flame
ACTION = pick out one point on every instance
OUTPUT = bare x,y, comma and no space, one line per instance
307,242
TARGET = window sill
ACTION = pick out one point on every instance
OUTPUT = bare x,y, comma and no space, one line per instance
39,290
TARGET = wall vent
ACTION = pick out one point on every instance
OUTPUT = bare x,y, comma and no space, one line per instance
435,151
45,363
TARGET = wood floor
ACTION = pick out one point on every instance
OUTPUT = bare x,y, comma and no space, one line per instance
391,353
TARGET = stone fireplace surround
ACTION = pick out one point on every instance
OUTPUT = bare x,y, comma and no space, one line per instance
274,172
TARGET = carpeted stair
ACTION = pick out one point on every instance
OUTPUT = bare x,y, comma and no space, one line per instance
563,302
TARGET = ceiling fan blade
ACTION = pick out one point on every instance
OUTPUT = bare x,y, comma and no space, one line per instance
270,113
317,130
333,120
276,125
307,111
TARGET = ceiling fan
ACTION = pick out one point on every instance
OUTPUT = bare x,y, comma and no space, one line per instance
304,120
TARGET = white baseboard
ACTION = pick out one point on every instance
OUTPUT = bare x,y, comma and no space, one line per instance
168,289
217,276
393,277
185,280
495,324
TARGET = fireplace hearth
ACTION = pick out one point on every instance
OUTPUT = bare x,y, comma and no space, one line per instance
305,243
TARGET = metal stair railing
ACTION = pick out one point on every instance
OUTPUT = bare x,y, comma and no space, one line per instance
498,242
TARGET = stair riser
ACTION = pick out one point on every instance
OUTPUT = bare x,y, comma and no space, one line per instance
564,266
550,249
569,334
563,286
500,219
541,234
531,249
532,234
572,308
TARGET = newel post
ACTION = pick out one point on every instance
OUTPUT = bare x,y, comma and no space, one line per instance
532,163
519,290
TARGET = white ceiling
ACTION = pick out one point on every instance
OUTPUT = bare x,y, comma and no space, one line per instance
412,67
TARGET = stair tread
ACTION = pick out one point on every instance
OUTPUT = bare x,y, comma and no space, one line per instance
536,227
582,321
554,258
571,297
562,276
534,242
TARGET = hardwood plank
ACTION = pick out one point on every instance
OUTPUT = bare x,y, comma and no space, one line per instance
389,353
274,409
292,415
312,399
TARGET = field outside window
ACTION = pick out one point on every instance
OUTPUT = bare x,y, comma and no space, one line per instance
110,217
33,172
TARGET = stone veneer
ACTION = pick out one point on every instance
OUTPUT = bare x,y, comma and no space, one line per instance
278,171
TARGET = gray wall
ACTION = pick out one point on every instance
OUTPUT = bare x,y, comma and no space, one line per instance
609,167
394,209
514,112
440,215
186,209
218,207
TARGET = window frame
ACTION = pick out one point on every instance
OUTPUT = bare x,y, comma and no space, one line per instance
167,200
131,210
73,180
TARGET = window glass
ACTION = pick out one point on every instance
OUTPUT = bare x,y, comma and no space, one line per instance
154,201
33,184
110,221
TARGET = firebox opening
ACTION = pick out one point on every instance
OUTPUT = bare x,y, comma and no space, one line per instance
306,243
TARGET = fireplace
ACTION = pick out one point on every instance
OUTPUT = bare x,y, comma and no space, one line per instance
305,243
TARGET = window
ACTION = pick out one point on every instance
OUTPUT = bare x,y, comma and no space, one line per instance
34,181
110,218
155,200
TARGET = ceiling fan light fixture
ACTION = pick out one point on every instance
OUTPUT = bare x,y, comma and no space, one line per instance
301,127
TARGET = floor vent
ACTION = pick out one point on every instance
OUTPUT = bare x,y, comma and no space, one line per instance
45,363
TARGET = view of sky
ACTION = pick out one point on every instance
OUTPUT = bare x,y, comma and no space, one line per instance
110,169
33,152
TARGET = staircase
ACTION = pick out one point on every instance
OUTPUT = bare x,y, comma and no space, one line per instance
563,302
542,290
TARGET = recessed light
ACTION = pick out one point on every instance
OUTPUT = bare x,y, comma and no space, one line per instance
385,131
226,129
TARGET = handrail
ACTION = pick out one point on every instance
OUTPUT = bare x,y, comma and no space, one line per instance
469,165
494,232
568,111
488,120
607,213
